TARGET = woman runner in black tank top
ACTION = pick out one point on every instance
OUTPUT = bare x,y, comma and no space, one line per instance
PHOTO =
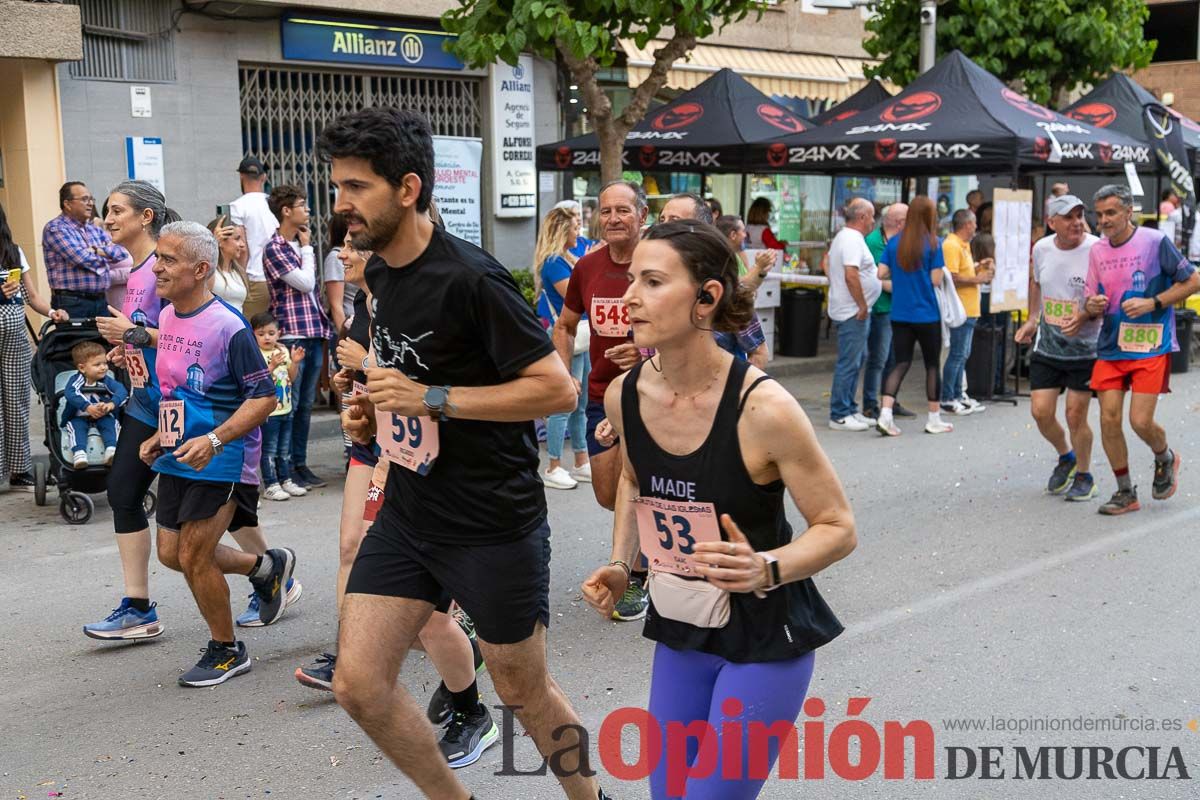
713,438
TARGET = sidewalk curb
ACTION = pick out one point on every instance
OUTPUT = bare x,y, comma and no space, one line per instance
802,367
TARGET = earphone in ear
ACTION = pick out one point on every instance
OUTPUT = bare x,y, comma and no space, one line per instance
704,297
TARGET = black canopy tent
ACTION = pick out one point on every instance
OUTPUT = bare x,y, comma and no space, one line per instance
870,95
955,119
706,129
1118,103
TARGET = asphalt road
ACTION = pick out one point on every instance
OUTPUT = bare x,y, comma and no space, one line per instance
971,596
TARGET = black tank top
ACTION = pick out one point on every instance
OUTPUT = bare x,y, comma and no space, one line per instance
790,621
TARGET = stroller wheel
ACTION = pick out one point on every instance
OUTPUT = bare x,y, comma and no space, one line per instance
149,503
40,471
76,508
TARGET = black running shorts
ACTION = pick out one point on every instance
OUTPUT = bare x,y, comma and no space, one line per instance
504,588
181,500
1053,373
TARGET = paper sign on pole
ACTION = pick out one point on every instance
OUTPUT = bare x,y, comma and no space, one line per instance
1012,228
144,160
458,163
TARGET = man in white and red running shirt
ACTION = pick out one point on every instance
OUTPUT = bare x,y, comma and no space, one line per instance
1135,277
596,289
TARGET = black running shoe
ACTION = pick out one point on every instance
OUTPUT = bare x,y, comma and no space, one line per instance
440,706
1166,477
272,596
900,411
467,736
1061,477
217,665
305,477
320,674
1122,502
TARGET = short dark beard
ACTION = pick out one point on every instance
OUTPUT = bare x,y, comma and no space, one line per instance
378,233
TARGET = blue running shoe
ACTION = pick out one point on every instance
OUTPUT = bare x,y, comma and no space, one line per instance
1083,488
125,623
320,674
250,619
217,665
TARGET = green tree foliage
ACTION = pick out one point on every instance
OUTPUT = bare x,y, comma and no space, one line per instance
584,34
1043,47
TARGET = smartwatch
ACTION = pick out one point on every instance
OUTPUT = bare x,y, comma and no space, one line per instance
1158,306
137,336
437,401
771,565
217,444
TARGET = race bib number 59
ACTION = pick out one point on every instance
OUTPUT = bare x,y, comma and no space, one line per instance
411,442
609,317
669,532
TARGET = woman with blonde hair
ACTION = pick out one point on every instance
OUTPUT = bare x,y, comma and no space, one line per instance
552,265
230,282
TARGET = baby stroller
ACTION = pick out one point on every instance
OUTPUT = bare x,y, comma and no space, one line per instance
52,368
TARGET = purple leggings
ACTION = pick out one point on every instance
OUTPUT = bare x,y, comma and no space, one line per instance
691,687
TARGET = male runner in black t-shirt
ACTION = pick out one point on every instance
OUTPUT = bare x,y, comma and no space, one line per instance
460,367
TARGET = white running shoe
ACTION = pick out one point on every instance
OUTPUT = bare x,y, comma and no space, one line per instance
559,478
847,424
973,404
938,427
957,407
583,474
865,420
293,488
276,492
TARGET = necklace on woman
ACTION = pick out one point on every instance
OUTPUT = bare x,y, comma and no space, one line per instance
690,397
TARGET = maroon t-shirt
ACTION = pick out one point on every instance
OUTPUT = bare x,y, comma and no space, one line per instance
596,287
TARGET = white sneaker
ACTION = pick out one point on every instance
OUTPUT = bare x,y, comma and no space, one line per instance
958,408
276,492
583,474
973,404
938,427
109,454
293,488
80,459
865,420
847,424
559,478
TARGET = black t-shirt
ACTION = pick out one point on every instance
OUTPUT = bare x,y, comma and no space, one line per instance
455,317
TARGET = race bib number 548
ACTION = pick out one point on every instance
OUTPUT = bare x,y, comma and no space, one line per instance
609,317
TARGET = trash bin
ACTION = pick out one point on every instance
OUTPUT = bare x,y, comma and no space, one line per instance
799,322
1185,321
985,355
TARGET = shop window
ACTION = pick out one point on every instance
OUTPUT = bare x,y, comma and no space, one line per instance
126,40
1176,26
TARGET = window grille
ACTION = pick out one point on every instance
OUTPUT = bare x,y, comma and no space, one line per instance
126,40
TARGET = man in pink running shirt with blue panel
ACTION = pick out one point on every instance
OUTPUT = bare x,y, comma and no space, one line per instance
215,393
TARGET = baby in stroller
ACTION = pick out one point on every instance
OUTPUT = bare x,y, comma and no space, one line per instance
92,397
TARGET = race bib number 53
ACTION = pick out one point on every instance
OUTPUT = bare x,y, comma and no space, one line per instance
1139,338
669,532
411,442
609,317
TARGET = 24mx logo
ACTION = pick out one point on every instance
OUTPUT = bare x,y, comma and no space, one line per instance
888,127
841,152
937,150
684,158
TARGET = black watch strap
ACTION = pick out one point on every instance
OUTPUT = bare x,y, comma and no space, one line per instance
1158,305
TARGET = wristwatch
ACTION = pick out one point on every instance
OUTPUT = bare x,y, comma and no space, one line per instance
437,402
1158,306
136,336
217,445
771,566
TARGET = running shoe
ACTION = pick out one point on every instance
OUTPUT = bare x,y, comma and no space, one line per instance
276,492
865,419
1122,502
23,482
305,477
1082,488
956,408
441,704
632,605
126,622
973,404
583,474
467,736
293,488
939,427
901,411
217,665
1166,477
847,424
886,428
320,674
1061,477
79,461
272,590
558,478
250,618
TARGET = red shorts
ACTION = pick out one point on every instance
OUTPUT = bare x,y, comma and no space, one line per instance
375,491
1142,375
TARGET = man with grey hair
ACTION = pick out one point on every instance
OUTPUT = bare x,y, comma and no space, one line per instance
1135,277
879,337
216,392
854,286
686,205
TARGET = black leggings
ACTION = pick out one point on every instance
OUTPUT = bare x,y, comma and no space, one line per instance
130,477
904,336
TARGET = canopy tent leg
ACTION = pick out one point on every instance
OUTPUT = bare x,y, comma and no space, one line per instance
742,204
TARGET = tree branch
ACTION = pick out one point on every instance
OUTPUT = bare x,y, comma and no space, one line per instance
679,45
599,105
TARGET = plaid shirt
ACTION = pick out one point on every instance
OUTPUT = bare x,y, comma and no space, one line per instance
300,314
71,264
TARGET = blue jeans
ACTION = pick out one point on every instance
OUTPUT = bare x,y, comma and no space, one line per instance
852,351
77,429
879,357
556,424
276,461
956,362
304,394
79,307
